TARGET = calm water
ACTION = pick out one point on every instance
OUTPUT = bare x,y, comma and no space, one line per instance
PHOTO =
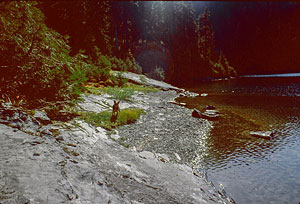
253,170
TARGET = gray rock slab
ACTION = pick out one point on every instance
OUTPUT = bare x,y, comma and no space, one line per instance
102,172
141,79
42,117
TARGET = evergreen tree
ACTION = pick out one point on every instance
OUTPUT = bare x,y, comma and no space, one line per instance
34,59
206,40
88,23
155,21
184,41
125,25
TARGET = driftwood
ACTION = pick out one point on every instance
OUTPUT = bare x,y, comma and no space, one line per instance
262,134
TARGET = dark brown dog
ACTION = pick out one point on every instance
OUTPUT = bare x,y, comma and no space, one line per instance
115,112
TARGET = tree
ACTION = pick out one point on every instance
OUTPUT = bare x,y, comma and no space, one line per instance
125,22
88,23
184,41
206,40
34,59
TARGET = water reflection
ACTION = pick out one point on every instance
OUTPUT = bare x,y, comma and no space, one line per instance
230,136
260,167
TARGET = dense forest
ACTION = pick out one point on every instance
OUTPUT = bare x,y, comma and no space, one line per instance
49,49
166,35
257,37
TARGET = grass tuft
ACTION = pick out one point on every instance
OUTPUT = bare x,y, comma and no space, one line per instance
120,93
126,116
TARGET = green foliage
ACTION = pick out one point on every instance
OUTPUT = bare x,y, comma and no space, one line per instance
118,64
118,80
34,60
94,90
228,70
124,20
88,23
206,38
99,71
129,115
218,69
129,64
158,74
78,77
222,67
126,93
120,93
123,143
132,65
170,24
126,116
129,90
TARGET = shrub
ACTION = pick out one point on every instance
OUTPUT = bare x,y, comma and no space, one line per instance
34,60
100,71
118,64
217,69
158,74
132,64
118,80
103,65
78,77
137,68
227,69
129,64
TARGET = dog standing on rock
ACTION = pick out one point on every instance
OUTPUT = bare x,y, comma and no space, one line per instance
115,111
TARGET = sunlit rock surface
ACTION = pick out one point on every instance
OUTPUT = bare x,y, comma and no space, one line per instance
141,79
74,162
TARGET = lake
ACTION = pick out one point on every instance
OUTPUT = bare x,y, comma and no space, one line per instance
253,170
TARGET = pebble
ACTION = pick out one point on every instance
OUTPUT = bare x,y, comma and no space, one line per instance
59,138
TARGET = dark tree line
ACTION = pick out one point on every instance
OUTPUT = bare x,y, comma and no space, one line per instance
169,29
257,37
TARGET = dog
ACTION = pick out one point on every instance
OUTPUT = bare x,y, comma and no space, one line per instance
115,111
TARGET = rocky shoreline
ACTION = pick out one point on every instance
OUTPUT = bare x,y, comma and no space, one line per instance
168,129
74,162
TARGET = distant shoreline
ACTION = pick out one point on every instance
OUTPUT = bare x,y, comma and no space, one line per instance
271,75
